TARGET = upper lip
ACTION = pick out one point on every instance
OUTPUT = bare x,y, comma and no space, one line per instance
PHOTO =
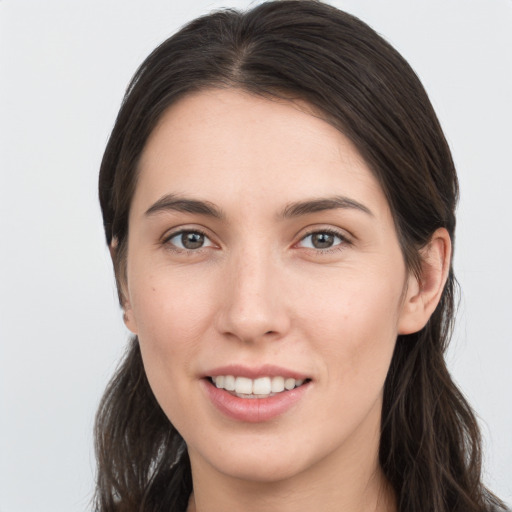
254,372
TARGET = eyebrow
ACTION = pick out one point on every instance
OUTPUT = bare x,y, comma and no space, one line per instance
173,202
318,205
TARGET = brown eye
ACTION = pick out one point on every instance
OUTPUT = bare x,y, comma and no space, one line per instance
322,240
189,240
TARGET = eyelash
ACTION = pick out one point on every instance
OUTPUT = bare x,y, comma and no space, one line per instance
344,241
167,241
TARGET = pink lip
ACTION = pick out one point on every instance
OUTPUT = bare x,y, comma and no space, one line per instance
266,370
254,410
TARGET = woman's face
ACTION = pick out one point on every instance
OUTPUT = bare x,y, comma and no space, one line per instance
262,255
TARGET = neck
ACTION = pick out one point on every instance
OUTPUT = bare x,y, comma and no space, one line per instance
375,496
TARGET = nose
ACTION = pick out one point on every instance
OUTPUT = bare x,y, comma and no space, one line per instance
254,305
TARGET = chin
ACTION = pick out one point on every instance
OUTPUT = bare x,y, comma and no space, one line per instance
273,469
262,460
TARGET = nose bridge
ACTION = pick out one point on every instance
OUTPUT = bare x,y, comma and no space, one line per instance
254,306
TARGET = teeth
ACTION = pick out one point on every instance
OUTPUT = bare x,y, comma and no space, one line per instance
243,385
229,383
277,384
262,386
289,384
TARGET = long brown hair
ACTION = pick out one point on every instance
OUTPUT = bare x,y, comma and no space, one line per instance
430,444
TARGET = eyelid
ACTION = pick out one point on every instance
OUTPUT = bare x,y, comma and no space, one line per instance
345,239
170,234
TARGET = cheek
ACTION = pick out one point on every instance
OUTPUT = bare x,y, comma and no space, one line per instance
161,289
355,324
172,313
173,317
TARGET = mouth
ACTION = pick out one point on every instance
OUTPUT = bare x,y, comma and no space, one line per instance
256,394
261,387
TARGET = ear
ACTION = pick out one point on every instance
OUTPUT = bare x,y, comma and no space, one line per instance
122,288
129,318
423,294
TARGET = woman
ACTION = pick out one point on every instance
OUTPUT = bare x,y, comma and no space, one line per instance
278,199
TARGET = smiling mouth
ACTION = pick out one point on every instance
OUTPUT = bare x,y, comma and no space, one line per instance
262,387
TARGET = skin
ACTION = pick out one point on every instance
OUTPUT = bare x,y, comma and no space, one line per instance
260,292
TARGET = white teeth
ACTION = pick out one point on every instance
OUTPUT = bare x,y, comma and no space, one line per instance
289,384
229,383
260,387
277,384
243,385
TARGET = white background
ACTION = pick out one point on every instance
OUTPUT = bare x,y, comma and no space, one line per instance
64,66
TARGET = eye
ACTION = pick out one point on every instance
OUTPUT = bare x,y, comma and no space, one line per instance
322,240
189,240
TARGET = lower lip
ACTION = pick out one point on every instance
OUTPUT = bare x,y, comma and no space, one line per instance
253,410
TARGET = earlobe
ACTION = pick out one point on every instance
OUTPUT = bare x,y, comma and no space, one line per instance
423,293
128,317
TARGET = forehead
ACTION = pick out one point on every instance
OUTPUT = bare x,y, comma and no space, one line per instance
225,145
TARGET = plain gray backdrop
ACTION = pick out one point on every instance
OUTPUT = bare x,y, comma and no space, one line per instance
64,66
